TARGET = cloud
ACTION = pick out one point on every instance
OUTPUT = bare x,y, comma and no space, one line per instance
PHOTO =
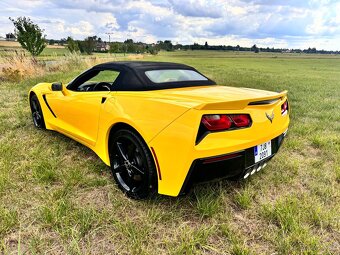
83,28
276,23
198,8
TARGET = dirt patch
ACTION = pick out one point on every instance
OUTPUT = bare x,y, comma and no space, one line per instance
97,198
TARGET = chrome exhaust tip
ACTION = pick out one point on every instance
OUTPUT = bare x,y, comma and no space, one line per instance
259,168
246,175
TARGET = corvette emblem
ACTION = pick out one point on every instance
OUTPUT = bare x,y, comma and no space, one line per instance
270,117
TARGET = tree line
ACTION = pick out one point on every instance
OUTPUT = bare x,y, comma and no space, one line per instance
32,38
129,46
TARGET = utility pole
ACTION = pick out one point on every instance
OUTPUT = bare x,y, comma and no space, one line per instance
109,33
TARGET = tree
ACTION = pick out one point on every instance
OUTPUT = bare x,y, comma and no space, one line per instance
88,44
206,46
72,45
255,49
195,46
114,47
168,45
129,46
152,50
127,41
124,48
62,41
29,35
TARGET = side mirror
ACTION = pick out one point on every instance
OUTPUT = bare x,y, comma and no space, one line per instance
57,86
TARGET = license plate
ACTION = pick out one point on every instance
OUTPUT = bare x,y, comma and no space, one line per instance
263,151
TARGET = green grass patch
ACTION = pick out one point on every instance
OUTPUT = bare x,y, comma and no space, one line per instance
8,220
57,196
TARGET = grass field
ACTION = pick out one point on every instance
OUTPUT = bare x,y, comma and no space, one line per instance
6,47
56,196
51,52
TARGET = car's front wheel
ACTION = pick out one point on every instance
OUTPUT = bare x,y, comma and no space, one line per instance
37,115
132,164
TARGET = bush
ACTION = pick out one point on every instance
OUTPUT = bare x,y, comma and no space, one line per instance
153,51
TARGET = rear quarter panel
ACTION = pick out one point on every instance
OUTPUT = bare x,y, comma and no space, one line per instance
147,115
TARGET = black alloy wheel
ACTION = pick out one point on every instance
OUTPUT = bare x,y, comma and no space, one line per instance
37,115
132,164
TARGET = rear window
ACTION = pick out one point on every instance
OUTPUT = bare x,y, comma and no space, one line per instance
174,75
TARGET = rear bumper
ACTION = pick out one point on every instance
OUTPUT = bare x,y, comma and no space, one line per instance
236,165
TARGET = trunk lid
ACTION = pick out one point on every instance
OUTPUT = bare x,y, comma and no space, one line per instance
222,97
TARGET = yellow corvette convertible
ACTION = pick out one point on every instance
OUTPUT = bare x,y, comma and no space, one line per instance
163,126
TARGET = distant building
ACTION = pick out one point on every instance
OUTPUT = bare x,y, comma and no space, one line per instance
102,46
10,37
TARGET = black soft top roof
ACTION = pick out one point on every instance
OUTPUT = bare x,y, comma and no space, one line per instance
132,75
143,65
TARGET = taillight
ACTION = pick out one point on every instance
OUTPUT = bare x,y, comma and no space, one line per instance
284,108
217,122
221,122
241,120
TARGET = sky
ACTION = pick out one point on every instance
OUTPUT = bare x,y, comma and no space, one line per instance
275,23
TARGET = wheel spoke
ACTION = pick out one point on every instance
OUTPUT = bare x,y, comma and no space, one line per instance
122,181
120,150
137,169
119,169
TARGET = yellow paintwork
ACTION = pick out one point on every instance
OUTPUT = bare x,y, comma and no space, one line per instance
168,121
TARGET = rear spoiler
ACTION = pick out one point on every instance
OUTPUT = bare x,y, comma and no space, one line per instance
242,103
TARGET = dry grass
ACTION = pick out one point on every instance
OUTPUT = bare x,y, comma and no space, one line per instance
55,47
19,66
135,56
17,44
9,44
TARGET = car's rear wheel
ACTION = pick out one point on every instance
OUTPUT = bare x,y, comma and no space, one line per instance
132,164
37,115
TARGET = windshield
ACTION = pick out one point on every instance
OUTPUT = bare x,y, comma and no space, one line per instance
174,75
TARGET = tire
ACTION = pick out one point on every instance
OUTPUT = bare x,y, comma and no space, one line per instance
132,165
37,114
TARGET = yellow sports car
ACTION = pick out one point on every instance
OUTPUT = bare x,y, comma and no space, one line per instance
163,126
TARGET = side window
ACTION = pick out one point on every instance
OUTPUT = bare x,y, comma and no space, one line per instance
105,76
99,81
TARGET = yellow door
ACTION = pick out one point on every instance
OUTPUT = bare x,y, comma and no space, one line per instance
77,113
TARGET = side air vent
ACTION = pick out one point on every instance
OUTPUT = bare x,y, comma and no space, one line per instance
44,97
271,101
